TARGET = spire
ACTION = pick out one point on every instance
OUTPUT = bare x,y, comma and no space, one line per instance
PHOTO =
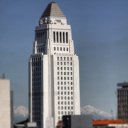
52,10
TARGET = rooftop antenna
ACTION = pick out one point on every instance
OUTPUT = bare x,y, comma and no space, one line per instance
3,76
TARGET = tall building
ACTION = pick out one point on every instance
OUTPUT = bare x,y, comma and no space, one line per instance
5,104
122,101
53,70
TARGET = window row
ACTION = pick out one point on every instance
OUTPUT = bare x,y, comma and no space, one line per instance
41,34
64,68
37,69
65,98
40,49
64,63
65,112
60,37
36,59
65,93
64,58
65,88
36,74
61,49
64,73
64,78
64,83
65,107
65,103
38,63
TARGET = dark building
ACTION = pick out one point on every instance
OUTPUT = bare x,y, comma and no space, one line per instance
122,100
77,121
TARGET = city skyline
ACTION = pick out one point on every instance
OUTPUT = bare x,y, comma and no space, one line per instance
100,35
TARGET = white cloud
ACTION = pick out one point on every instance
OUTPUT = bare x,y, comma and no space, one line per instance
20,113
96,113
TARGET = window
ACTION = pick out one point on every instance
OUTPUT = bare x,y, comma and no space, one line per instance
60,38
63,37
54,36
66,37
57,37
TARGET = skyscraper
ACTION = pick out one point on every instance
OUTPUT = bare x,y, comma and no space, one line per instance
53,70
122,101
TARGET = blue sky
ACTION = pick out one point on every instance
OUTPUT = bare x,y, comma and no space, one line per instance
100,34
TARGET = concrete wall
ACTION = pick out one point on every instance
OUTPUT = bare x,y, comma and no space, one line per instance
5,104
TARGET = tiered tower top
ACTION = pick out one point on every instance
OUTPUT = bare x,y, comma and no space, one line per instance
52,10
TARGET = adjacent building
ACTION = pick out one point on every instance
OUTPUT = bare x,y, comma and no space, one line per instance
54,88
77,121
122,101
110,124
5,104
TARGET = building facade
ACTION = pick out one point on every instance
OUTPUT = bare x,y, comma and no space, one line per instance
54,88
5,104
122,101
77,121
110,123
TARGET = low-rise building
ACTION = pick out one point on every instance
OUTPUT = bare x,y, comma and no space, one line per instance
5,104
77,121
110,124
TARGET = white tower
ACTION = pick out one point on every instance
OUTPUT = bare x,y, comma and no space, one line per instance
54,88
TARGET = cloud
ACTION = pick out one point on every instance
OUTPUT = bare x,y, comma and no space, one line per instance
20,113
96,113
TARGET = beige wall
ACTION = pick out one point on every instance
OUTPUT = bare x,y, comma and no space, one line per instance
5,107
